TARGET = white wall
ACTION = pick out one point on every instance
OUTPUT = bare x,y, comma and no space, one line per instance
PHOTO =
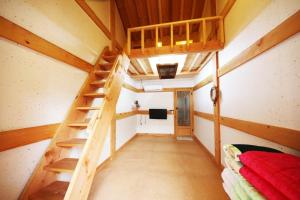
204,129
262,90
37,89
163,100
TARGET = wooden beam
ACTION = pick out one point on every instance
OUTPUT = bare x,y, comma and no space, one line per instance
112,24
217,113
153,76
283,31
16,33
279,135
195,62
206,58
113,135
204,82
150,20
207,116
85,7
124,115
229,4
20,137
147,65
133,89
132,69
193,48
160,16
136,64
181,15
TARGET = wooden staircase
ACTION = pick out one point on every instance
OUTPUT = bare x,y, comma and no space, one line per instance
104,82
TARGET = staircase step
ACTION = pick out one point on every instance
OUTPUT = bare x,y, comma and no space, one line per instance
109,58
53,191
100,83
87,108
106,66
102,73
79,124
63,165
71,143
94,95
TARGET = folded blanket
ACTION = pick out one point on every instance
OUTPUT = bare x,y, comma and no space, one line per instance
280,170
235,150
232,164
261,185
230,192
235,166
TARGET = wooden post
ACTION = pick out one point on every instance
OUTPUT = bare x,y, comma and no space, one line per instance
142,39
221,30
204,32
187,34
128,41
217,113
113,136
156,36
172,39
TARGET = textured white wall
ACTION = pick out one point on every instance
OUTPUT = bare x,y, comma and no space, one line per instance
204,129
159,100
36,89
263,90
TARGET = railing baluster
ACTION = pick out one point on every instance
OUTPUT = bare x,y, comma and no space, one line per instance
156,36
204,32
142,40
128,41
187,34
172,39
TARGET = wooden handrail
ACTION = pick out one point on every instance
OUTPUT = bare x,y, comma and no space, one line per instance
97,129
187,23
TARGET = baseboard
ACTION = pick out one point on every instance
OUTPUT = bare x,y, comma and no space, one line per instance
110,158
211,156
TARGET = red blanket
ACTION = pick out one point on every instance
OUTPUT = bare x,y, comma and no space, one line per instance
281,171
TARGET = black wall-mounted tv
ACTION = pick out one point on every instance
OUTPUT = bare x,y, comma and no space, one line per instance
158,113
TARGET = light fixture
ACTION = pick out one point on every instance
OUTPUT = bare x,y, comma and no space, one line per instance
159,44
183,42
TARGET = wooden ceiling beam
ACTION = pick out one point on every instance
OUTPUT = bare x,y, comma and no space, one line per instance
147,66
160,16
85,7
204,61
154,76
195,62
181,15
150,19
132,70
137,66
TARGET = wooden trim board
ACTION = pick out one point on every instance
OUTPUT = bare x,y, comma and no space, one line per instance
207,116
16,33
204,82
85,7
124,115
20,137
280,135
134,89
283,31
284,136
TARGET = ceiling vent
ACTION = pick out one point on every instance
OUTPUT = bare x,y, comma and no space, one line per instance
167,71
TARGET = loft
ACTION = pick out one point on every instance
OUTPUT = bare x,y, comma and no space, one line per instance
154,99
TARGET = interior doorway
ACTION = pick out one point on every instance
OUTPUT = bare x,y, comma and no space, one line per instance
183,112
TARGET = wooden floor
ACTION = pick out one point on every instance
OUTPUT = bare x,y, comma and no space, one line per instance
159,168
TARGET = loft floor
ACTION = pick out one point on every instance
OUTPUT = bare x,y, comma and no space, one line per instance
159,168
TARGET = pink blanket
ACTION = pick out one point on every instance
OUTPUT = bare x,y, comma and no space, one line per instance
281,171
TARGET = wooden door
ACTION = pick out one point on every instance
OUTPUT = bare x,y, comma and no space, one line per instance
183,107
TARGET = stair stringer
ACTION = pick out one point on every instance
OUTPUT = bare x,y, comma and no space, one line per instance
84,173
40,177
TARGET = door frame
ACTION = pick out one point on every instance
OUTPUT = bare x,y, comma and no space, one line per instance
191,110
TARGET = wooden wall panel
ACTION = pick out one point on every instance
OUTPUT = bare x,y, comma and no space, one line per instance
21,36
283,136
20,137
